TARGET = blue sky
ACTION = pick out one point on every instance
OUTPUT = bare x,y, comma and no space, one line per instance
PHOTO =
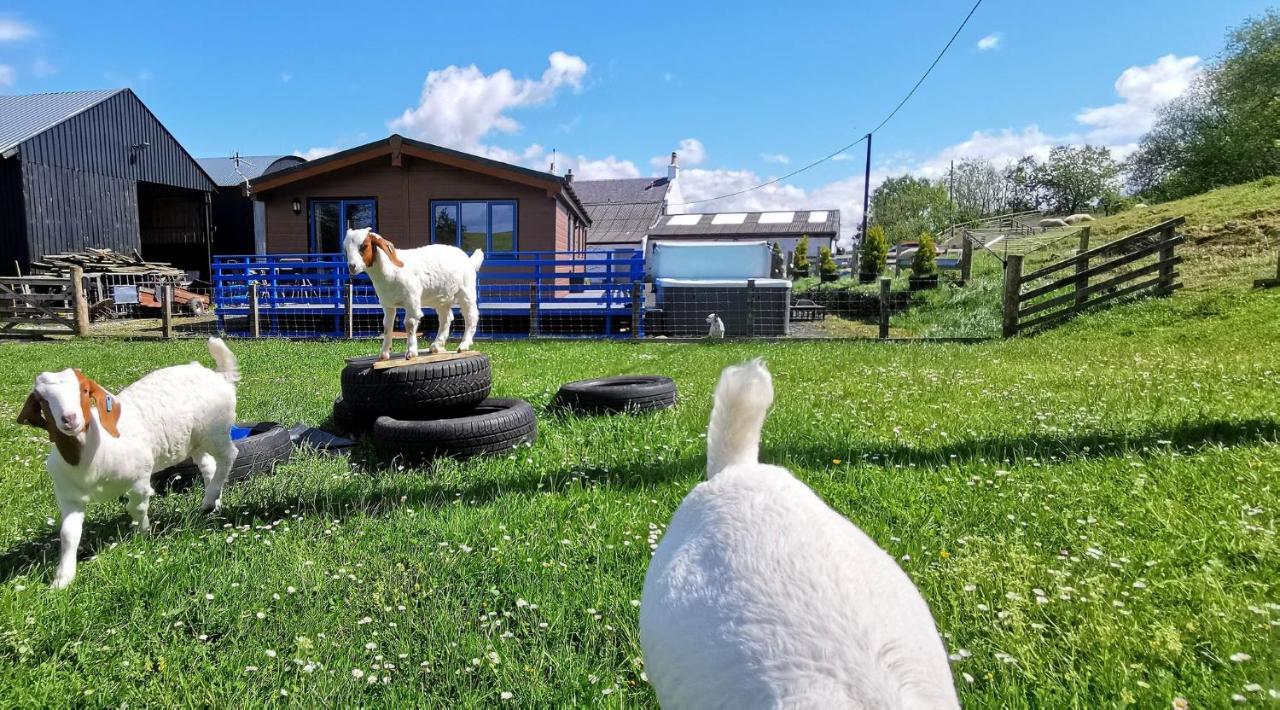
612,86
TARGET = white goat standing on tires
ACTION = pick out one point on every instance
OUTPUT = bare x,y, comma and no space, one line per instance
108,445
437,276
761,596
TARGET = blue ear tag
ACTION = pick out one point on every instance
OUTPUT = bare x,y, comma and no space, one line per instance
110,401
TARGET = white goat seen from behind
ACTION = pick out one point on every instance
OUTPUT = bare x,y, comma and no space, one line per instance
437,276
106,446
761,596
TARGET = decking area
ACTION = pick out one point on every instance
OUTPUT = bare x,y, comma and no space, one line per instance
582,293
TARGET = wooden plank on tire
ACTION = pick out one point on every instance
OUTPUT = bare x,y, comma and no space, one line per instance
420,360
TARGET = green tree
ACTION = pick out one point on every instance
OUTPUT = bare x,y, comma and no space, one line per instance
1074,177
826,264
925,261
906,206
1225,129
800,259
874,251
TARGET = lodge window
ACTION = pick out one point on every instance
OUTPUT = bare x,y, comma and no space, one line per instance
331,218
472,224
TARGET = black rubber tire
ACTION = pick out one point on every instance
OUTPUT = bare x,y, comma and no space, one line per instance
495,426
268,444
347,422
624,393
413,391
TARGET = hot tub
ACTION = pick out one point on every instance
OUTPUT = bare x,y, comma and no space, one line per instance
748,307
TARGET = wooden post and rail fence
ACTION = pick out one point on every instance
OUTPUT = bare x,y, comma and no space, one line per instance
1099,275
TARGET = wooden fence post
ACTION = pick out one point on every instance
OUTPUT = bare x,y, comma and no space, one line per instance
1012,292
966,259
349,309
751,308
166,311
79,304
1082,282
637,308
885,285
255,323
534,328
1165,286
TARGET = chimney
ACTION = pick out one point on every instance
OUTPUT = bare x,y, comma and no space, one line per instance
568,176
673,170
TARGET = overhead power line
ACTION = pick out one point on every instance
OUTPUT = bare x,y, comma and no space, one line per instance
866,136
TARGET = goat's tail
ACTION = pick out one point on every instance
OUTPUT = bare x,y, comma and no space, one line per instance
477,258
227,366
741,401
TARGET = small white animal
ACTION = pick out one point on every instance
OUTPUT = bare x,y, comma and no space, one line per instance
1140,206
1078,218
106,446
437,276
717,326
761,596
1053,222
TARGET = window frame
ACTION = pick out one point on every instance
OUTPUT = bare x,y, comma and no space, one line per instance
313,238
489,205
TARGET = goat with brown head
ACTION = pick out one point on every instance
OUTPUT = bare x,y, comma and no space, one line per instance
360,247
62,404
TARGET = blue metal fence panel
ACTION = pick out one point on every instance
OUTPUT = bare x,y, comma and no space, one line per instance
584,284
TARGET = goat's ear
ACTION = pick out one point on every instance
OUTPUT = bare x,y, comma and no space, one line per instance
32,414
92,395
387,248
366,249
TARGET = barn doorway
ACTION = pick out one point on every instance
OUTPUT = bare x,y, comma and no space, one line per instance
173,227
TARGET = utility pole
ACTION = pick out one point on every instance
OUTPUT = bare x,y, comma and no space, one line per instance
951,200
866,189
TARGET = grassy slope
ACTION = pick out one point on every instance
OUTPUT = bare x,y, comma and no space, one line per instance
1233,233
1127,471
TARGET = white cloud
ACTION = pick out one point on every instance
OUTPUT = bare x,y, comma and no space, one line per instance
460,106
691,153
775,158
603,169
285,76
7,75
13,30
318,152
1142,90
991,41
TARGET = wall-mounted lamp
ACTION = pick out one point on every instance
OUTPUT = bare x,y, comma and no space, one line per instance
297,206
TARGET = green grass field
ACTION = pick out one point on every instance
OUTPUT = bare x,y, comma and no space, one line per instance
1091,514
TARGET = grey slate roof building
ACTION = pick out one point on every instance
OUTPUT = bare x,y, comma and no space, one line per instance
97,169
782,227
622,210
238,221
228,172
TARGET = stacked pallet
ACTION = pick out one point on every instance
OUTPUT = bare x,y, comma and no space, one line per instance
97,261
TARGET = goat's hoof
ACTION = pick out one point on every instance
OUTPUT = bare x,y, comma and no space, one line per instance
61,582
384,356
211,509
463,347
437,348
411,355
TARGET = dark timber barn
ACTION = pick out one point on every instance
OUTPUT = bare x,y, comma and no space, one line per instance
97,169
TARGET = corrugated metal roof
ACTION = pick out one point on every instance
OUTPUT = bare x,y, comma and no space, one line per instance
624,190
24,117
826,222
227,173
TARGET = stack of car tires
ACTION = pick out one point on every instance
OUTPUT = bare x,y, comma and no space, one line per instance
425,410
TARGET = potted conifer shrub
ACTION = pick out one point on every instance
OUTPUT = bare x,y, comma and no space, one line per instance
826,265
872,254
924,265
800,259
